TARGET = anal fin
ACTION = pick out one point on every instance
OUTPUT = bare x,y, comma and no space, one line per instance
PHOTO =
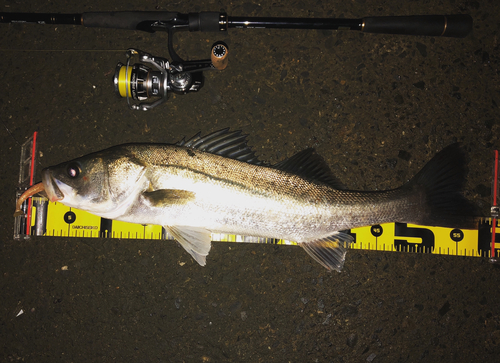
329,252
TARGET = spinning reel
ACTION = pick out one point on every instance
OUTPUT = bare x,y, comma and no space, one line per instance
156,77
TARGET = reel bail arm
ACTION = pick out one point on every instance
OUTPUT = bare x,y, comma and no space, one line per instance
155,77
140,82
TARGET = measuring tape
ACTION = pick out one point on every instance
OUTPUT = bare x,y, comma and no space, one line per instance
44,218
58,220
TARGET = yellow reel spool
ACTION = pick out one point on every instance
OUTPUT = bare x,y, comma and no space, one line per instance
122,83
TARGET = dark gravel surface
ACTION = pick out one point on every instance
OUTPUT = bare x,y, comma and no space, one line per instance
377,107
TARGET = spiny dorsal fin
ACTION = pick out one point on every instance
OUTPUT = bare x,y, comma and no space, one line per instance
309,165
223,143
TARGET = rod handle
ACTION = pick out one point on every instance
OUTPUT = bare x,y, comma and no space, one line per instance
123,19
206,21
457,26
145,20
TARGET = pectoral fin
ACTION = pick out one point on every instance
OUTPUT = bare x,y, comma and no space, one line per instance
197,241
166,197
330,251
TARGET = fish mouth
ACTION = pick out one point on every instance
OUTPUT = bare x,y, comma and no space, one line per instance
50,184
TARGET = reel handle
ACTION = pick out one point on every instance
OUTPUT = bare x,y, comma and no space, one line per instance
219,55
431,25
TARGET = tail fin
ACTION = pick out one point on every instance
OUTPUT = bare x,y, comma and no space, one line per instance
442,180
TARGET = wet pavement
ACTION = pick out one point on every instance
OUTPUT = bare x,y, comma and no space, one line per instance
376,107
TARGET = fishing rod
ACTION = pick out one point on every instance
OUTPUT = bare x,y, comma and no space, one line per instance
155,77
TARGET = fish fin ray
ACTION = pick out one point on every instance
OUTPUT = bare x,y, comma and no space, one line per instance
329,252
442,180
196,241
166,197
309,165
230,144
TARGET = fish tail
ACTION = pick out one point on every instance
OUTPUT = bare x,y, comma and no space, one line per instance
441,181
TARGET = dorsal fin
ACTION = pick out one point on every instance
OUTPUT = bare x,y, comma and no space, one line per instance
223,143
309,165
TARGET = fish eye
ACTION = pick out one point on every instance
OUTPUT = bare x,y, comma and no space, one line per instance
73,169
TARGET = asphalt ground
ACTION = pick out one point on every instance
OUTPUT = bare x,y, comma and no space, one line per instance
376,107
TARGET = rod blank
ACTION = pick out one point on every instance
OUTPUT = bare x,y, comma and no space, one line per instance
458,26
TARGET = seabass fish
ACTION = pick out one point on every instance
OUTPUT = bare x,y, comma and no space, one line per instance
216,184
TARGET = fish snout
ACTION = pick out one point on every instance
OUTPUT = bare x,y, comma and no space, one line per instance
53,192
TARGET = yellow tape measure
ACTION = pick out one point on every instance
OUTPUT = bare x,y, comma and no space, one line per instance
58,220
